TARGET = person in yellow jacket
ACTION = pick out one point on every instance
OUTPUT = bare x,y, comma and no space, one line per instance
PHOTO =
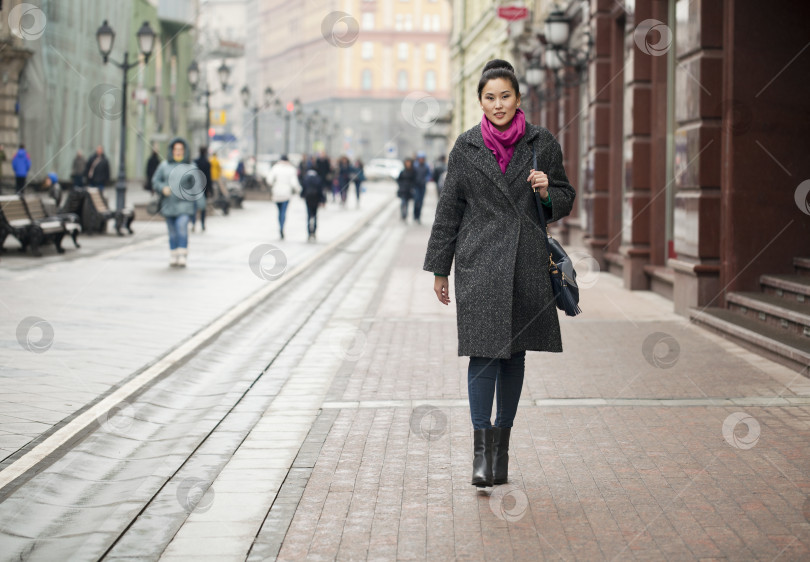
216,168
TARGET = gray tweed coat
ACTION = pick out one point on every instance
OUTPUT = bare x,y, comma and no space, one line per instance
488,221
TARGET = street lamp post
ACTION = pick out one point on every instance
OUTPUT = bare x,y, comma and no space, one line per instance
291,107
267,102
105,36
224,73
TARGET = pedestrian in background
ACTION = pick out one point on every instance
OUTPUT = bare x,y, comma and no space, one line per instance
151,166
359,178
205,167
177,201
344,178
284,180
422,171
312,190
487,220
324,168
77,169
21,164
406,183
98,170
439,169
3,159
51,183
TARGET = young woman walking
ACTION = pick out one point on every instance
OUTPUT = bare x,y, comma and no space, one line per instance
487,220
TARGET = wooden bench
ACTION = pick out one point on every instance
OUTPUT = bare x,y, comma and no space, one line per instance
37,212
16,220
96,213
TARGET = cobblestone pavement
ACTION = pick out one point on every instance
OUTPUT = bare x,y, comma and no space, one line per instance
77,325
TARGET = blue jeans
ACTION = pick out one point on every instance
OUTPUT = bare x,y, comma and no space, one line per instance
282,214
418,197
178,231
486,375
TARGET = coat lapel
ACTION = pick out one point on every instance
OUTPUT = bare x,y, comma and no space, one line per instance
484,160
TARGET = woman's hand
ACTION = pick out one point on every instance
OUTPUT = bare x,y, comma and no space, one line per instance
441,286
539,183
167,190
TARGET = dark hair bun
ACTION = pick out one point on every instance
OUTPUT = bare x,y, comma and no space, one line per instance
498,63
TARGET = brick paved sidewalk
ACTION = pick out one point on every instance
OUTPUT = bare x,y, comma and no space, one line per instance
623,447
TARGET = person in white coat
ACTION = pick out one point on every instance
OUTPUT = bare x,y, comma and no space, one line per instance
284,180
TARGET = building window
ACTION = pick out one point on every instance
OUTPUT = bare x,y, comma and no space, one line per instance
426,22
430,81
436,23
398,22
402,51
368,20
366,80
430,52
367,50
402,80
408,22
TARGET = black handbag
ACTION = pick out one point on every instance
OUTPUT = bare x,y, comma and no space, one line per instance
560,267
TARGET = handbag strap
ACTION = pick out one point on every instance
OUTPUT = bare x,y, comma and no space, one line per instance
539,205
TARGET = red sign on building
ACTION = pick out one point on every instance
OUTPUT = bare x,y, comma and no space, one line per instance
513,13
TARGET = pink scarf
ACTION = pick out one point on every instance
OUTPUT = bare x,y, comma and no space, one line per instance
502,144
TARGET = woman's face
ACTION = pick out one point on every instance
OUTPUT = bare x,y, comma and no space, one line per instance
499,102
178,151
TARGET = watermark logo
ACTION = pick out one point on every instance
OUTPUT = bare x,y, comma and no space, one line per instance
35,334
106,101
802,201
420,110
429,422
661,350
267,262
508,503
737,117
187,182
653,37
195,494
26,21
350,345
340,29
587,268
730,426
119,419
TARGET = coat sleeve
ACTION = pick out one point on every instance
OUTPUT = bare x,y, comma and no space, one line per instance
159,179
560,190
449,213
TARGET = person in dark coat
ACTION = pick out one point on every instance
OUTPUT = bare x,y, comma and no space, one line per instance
422,177
204,165
406,184
98,170
487,221
312,190
359,174
344,178
21,164
151,166
77,169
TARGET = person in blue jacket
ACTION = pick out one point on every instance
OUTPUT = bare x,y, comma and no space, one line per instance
21,164
180,184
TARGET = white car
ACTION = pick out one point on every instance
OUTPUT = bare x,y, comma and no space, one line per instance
383,168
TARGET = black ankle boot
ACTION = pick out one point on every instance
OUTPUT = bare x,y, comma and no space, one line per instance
500,454
482,460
